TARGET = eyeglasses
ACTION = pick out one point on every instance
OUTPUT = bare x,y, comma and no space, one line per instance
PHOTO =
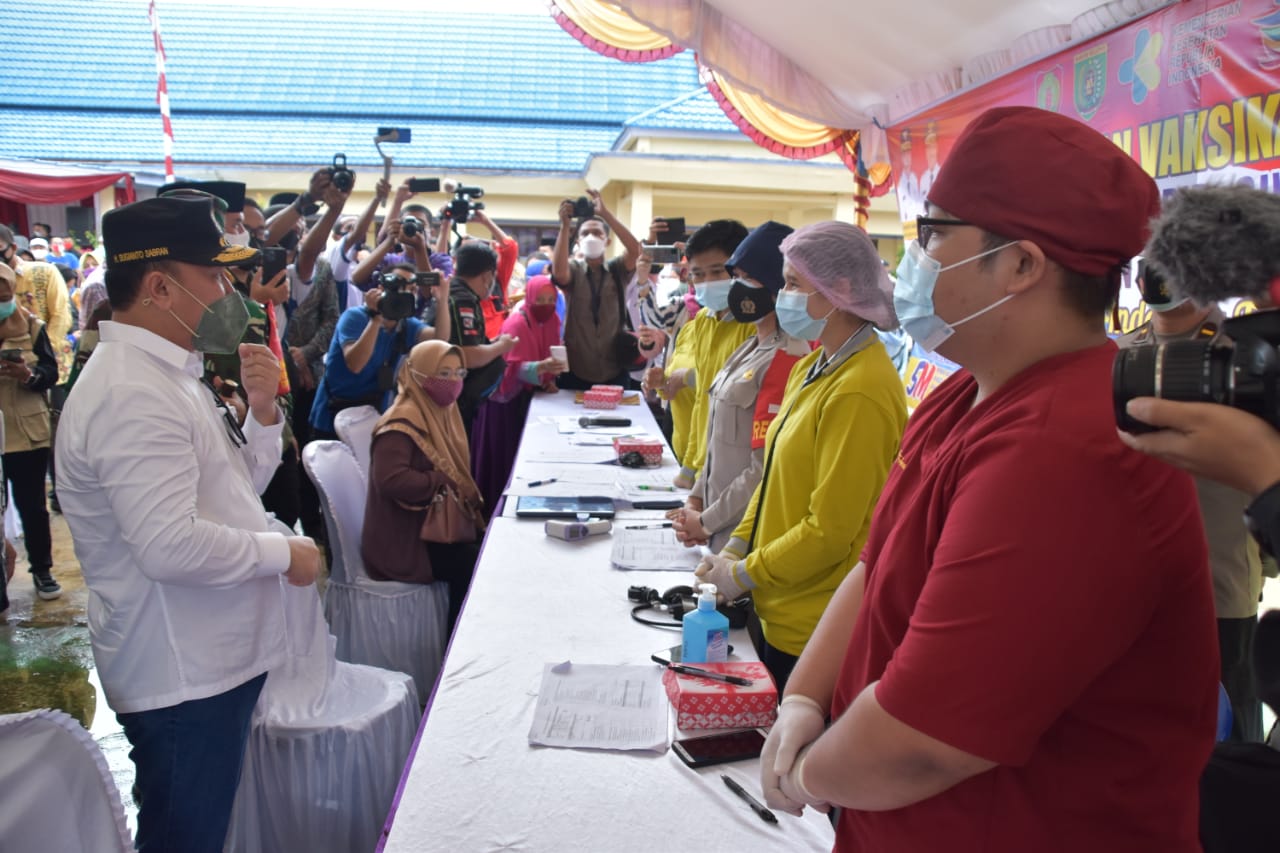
925,226
460,373
228,416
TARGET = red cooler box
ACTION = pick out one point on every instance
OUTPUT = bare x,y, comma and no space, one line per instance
702,703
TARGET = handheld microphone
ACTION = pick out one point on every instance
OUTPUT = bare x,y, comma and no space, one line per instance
603,421
1217,242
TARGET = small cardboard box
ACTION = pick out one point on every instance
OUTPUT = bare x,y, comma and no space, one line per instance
702,703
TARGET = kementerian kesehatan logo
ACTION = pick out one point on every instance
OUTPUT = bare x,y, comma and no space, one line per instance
1269,32
1141,72
1090,81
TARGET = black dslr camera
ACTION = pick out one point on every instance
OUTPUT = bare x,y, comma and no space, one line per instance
464,204
1242,372
339,175
397,300
411,226
583,208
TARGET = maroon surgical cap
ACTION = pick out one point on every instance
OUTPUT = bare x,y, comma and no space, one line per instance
1030,174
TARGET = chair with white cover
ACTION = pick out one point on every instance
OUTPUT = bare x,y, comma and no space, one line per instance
49,760
387,624
327,745
355,427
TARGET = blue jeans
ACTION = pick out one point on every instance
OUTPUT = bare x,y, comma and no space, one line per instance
188,759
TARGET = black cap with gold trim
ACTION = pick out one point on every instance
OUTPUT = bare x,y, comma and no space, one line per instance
169,229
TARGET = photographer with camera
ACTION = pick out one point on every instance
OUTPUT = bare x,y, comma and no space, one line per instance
1211,244
298,206
415,239
367,348
1218,419
595,291
1233,554
349,239
409,234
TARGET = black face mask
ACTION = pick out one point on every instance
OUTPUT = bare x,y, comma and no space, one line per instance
748,304
10,255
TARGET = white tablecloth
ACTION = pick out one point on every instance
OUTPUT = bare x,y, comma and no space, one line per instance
474,784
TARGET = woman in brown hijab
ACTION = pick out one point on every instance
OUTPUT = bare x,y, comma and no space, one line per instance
419,445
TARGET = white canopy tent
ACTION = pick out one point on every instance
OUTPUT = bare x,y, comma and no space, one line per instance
849,65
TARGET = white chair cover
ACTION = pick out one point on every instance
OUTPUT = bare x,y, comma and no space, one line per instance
355,427
326,747
398,626
56,792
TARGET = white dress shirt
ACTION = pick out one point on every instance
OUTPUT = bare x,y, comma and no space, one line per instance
183,577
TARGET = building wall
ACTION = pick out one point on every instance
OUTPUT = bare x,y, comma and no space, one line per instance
656,175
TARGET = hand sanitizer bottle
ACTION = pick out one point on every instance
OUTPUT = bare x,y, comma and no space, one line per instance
706,630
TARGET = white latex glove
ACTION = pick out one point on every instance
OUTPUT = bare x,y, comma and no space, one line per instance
794,789
800,722
728,575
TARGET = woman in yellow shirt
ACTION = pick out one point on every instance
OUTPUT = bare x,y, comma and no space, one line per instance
827,455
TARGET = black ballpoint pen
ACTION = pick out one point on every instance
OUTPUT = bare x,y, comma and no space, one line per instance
756,806
685,669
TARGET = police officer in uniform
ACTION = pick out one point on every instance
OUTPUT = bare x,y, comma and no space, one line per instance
1234,557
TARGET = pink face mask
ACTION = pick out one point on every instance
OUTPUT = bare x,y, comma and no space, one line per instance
443,392
542,313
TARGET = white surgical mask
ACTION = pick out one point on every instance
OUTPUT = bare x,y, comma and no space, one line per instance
913,296
592,246
241,239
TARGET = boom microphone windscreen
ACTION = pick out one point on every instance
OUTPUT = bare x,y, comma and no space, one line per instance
1217,242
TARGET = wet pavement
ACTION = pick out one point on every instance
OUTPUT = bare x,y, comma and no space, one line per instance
46,660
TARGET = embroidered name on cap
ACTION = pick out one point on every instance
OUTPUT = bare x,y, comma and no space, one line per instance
140,255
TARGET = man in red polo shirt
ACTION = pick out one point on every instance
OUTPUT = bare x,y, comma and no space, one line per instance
1025,658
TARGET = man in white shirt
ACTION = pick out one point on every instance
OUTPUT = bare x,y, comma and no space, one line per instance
159,484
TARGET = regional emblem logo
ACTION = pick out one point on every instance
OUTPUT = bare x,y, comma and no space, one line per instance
1090,81
1049,89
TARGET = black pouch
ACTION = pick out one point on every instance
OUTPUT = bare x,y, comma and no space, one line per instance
337,404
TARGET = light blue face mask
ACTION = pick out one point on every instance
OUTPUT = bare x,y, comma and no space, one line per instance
714,294
793,316
7,309
913,296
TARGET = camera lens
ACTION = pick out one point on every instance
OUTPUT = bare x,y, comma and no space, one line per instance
1243,377
1181,370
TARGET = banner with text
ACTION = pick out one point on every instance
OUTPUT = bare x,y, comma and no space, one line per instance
1191,92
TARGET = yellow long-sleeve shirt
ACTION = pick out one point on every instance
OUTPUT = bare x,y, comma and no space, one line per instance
713,342
682,403
827,455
